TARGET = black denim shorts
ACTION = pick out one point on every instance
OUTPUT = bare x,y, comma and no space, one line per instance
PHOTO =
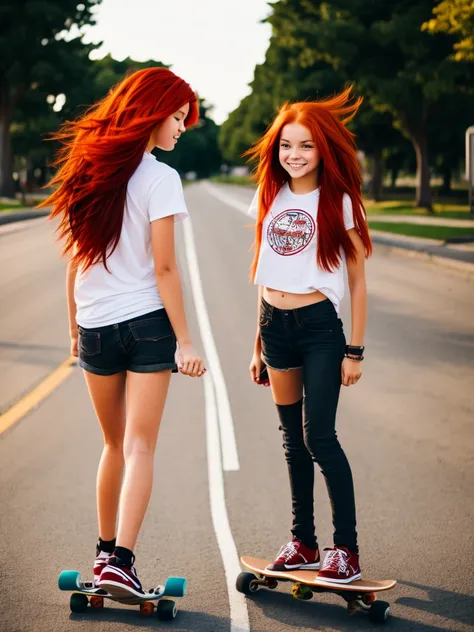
145,344
291,338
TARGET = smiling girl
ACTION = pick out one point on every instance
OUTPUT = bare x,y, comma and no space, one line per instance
117,207
310,225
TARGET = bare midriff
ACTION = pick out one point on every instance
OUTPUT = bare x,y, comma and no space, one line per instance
288,300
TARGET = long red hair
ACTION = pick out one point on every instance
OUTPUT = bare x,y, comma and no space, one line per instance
339,173
101,151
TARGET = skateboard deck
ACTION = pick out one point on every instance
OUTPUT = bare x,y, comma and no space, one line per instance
86,592
359,595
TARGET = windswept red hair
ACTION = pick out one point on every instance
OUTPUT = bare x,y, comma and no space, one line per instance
101,151
339,173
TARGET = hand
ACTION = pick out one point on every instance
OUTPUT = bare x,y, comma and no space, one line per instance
255,368
351,371
74,339
189,363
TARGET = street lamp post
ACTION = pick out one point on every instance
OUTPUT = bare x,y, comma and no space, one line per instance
470,165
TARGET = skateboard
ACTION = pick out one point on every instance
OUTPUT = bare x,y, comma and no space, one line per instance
86,592
360,595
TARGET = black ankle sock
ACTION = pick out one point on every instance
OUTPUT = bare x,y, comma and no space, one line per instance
124,555
107,546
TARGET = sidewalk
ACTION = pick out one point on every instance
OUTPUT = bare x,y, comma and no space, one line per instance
20,214
420,219
460,256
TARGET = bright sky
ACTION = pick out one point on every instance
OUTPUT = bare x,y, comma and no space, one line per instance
213,44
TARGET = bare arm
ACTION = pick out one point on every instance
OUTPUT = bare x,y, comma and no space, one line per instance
71,272
167,276
352,369
258,340
169,285
358,290
257,364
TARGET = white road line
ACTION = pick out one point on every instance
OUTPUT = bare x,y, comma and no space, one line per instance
239,618
227,199
230,457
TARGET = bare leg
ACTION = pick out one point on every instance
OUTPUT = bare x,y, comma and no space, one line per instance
287,386
146,396
108,398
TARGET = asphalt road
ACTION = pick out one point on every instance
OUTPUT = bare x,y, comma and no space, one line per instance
407,429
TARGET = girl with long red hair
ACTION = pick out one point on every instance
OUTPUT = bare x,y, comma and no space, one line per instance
310,225
117,207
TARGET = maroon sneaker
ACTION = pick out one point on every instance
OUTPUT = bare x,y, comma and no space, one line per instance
101,561
119,580
340,566
295,555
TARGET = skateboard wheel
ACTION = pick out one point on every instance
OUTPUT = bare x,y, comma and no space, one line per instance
78,602
97,602
69,580
166,610
271,583
245,583
369,598
175,587
147,608
379,611
300,591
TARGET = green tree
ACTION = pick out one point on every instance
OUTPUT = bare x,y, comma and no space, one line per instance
233,139
34,54
377,138
379,46
447,136
36,115
277,80
98,77
457,18
289,73
33,118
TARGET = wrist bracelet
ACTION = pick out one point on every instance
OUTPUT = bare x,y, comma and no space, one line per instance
353,350
355,358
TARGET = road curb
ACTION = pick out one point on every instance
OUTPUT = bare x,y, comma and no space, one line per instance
19,216
453,260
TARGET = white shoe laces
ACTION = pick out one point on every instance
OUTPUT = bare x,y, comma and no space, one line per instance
336,561
288,551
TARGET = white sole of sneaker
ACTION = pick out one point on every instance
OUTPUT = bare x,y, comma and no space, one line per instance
339,581
297,567
310,567
303,567
116,589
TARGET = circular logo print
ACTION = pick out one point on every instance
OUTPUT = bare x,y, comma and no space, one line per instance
290,232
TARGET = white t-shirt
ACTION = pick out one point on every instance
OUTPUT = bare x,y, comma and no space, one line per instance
287,260
103,298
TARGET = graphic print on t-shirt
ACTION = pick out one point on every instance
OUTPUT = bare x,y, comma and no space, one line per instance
290,231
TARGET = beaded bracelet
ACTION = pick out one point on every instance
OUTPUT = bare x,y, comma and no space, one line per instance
355,358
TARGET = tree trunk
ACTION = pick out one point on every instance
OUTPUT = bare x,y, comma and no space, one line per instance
376,181
6,181
394,176
447,175
423,187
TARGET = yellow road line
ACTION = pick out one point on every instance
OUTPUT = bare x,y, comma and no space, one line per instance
29,401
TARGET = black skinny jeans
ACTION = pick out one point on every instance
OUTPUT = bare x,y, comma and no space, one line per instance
312,338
